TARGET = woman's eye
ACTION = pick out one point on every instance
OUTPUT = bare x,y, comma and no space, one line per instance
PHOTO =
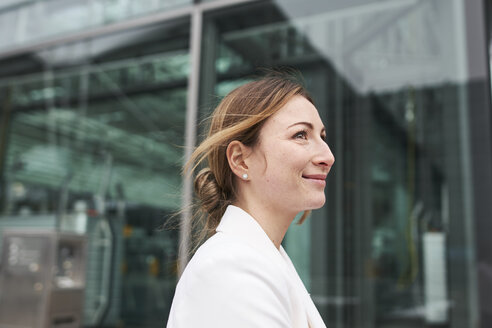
323,137
301,135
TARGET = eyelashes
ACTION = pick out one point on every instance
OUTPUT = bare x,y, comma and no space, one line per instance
303,134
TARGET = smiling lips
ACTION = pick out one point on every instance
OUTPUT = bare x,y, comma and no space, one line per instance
316,178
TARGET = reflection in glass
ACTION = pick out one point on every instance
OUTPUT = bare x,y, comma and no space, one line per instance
23,22
95,146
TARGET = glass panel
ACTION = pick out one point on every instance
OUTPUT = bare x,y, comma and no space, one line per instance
94,145
34,20
392,246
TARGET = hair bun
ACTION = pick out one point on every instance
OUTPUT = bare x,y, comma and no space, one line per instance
208,191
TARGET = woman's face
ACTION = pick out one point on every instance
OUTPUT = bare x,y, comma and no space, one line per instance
289,164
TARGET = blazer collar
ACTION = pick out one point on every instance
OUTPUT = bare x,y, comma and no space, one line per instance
238,222
242,225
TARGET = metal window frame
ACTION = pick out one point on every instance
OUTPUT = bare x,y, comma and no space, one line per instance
141,21
478,100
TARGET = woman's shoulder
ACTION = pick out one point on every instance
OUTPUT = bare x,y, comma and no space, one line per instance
222,259
222,251
228,281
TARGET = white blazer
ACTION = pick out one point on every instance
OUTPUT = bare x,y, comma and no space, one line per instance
238,278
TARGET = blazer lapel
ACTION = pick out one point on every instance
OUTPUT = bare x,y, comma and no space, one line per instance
238,222
313,316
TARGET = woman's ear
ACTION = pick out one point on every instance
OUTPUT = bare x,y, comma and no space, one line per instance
236,153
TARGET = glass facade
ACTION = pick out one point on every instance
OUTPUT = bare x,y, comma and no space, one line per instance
30,21
92,135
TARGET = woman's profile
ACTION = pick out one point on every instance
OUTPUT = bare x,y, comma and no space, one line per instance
266,160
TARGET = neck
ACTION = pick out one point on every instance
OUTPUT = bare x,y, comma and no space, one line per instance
273,222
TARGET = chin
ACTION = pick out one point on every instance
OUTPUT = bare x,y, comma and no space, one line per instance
316,203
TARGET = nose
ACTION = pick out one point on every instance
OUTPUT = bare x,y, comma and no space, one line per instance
324,156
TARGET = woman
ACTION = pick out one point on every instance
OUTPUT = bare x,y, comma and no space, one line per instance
267,162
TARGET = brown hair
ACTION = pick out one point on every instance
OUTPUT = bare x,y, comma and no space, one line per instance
239,116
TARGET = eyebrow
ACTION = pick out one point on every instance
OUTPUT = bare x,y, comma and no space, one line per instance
308,124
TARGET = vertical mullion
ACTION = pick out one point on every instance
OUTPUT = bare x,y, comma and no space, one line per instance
190,135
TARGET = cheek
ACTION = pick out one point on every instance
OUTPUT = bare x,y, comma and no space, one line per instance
293,159
283,163
284,169
285,153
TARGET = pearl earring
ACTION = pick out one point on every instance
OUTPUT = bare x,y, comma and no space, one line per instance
245,176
